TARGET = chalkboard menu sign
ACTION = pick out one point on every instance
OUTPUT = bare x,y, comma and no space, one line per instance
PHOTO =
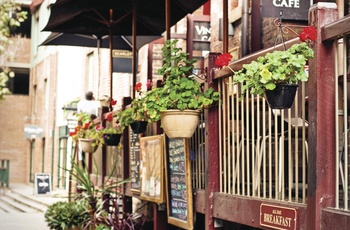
179,192
134,148
42,183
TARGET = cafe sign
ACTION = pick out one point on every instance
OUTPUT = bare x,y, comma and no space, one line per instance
291,9
277,217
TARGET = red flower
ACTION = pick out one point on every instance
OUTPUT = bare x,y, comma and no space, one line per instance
87,125
110,117
149,84
138,86
73,133
308,33
223,60
113,102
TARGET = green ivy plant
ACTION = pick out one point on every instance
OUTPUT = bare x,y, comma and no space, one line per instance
11,17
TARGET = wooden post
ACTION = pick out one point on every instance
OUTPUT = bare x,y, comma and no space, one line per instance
212,161
321,162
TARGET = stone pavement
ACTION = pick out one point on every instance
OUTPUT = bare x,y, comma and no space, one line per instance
29,221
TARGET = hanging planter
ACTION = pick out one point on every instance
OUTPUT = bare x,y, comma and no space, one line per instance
282,97
179,123
139,126
85,145
273,74
112,139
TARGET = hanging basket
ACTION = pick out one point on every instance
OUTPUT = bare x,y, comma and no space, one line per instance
282,97
112,139
139,126
179,123
85,145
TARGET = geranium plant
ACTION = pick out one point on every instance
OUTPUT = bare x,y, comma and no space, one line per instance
180,89
88,130
278,67
138,110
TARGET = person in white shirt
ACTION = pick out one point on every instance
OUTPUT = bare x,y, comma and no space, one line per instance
89,105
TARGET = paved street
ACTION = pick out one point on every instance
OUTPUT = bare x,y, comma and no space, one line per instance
32,220
22,221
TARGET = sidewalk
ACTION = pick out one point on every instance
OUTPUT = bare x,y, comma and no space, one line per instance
32,221
28,191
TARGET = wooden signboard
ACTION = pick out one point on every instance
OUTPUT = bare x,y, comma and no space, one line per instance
152,172
134,150
42,183
178,182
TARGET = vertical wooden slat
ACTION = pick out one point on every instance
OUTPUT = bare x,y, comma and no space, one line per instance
226,120
296,146
337,142
346,155
305,147
221,88
276,157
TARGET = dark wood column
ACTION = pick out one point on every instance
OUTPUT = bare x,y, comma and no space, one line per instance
321,162
212,148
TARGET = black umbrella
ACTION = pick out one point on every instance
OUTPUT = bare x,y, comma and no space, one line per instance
95,17
119,42
119,17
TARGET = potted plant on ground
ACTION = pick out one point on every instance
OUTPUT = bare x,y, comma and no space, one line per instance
277,73
179,102
67,215
96,196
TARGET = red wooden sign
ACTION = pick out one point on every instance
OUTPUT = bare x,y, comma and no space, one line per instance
278,217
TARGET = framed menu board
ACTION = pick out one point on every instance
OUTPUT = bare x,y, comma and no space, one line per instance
134,150
152,170
178,182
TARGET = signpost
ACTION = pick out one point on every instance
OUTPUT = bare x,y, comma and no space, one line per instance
33,131
277,217
291,9
179,186
135,161
42,183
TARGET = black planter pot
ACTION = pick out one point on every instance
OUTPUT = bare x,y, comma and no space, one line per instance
282,97
112,139
139,126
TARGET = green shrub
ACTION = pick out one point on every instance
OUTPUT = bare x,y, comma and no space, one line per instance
66,215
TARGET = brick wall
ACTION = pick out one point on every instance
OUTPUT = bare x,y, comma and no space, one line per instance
13,112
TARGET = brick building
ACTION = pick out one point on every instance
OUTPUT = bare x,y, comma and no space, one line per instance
14,109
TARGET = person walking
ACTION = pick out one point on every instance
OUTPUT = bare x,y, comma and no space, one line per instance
89,105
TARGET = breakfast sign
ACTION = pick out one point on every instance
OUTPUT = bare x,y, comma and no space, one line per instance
277,217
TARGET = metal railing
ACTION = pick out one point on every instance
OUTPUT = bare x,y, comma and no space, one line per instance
197,155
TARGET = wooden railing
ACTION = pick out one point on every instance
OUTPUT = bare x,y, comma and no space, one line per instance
263,152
